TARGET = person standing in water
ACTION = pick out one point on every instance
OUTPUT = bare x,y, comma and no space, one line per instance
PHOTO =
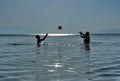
86,37
39,39
86,40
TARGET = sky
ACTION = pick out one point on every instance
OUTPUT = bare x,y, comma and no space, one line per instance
44,16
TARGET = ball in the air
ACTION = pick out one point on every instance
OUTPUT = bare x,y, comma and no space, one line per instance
59,27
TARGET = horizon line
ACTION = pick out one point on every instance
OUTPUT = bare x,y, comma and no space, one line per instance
58,34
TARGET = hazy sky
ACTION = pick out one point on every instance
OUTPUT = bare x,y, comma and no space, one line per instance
41,16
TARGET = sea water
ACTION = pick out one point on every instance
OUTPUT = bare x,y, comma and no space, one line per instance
60,58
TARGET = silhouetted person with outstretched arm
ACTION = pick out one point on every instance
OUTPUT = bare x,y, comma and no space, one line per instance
86,37
39,39
86,40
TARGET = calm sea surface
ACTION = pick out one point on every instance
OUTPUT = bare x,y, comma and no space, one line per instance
60,58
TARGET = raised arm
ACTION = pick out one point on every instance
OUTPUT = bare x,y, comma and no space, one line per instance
82,35
44,37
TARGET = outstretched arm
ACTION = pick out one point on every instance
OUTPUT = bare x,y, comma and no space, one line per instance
82,35
44,37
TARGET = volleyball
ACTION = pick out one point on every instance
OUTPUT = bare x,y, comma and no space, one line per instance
59,27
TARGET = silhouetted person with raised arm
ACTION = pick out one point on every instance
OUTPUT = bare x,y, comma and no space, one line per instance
86,39
39,39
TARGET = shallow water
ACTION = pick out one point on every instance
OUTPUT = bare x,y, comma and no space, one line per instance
60,58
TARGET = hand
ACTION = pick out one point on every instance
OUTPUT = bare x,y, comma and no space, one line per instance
46,34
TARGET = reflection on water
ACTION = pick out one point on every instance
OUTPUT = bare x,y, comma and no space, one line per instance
85,49
61,65
49,67
57,60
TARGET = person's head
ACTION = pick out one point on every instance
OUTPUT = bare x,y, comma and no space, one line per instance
37,36
87,33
